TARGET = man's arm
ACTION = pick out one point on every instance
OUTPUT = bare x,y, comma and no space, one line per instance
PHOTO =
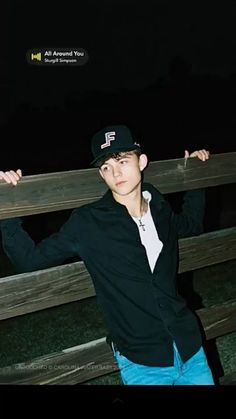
21,249
189,221
27,256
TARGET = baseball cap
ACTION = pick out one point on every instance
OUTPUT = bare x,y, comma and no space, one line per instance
112,139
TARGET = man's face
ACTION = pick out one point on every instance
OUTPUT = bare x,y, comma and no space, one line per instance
123,175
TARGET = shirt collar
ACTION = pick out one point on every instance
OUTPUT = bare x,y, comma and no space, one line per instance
148,190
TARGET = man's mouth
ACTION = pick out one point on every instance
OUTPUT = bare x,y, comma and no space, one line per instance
122,182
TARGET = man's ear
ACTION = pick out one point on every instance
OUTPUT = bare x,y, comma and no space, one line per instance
101,174
143,161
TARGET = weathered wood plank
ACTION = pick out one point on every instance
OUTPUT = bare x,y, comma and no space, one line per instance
70,366
180,175
93,359
218,320
33,291
28,292
63,190
207,249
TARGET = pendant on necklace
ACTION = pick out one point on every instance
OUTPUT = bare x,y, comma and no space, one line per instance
141,224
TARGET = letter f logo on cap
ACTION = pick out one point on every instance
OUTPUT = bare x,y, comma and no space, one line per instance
109,136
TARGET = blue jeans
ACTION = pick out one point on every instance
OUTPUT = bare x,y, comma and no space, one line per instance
195,371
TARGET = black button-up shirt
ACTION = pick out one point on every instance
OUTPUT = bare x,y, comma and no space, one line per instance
142,309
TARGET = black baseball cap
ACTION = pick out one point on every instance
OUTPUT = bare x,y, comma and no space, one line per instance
112,139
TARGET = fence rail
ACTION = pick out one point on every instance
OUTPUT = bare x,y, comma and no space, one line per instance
64,190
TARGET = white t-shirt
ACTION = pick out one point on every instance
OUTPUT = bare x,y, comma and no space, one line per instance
148,233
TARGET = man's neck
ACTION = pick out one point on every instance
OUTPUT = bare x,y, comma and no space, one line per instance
135,203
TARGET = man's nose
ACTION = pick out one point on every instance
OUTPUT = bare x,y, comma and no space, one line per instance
116,171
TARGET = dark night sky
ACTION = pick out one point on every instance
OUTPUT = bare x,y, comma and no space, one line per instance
132,75
130,43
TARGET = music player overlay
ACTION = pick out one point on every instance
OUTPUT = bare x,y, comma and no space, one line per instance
57,56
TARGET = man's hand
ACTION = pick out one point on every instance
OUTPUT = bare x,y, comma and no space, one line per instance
200,154
11,176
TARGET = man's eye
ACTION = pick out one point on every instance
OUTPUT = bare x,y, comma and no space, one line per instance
123,161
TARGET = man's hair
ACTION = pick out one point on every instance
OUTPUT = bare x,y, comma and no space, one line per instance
116,156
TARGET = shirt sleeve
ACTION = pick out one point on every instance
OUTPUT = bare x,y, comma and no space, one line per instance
189,221
27,256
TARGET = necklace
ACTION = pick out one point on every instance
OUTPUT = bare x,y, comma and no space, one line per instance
143,211
141,224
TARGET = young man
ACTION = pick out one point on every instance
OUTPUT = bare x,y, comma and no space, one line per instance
128,240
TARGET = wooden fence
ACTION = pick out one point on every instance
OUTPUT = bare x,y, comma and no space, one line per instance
33,291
